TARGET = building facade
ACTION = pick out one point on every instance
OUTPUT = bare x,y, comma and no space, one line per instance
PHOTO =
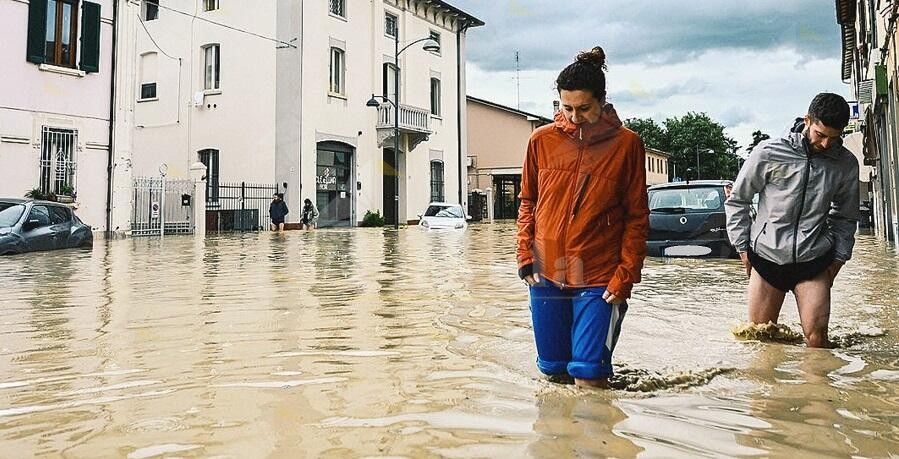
60,115
276,93
656,166
497,141
869,66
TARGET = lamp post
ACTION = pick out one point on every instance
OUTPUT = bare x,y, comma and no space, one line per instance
698,150
429,45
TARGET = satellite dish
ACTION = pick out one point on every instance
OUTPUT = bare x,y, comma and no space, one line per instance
163,169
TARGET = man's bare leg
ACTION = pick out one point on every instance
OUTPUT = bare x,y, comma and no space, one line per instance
765,300
813,299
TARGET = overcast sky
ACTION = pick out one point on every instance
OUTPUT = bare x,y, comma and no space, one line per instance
749,65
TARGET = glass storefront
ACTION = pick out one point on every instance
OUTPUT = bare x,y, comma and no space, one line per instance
334,195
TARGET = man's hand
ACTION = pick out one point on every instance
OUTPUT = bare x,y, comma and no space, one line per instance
834,269
744,257
610,298
532,279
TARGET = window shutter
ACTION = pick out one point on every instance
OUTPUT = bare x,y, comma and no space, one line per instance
37,30
90,37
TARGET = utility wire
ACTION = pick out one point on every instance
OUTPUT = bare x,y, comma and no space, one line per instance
141,20
283,44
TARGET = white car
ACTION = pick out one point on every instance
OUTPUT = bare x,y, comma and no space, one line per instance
443,215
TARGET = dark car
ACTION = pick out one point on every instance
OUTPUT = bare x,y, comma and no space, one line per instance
687,219
28,226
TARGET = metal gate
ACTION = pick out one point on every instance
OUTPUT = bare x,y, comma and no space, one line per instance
239,206
161,203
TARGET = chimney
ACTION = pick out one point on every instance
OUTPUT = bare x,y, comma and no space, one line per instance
555,107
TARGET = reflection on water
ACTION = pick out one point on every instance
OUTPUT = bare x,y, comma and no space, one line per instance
372,342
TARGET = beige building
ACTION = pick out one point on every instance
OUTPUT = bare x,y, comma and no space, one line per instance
656,166
276,92
497,140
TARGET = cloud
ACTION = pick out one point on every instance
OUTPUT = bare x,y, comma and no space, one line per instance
637,94
657,32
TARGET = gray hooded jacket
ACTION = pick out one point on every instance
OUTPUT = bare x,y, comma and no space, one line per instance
808,203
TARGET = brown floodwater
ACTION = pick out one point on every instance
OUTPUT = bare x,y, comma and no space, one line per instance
376,343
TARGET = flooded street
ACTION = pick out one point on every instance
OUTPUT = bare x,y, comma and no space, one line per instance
369,342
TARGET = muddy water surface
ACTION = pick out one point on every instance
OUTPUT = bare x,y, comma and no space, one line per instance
368,342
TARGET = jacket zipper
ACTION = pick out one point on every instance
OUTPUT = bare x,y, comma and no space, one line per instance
808,166
755,244
577,168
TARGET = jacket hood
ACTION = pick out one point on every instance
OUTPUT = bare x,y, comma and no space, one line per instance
605,127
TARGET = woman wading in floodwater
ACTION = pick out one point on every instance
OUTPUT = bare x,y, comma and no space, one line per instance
582,226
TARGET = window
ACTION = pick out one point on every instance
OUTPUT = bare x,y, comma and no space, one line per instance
209,5
337,7
338,72
62,32
212,67
59,29
210,159
58,161
436,37
436,181
391,74
435,96
150,10
148,76
41,214
60,214
390,25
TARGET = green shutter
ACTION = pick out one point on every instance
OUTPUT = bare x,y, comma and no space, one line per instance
37,30
90,37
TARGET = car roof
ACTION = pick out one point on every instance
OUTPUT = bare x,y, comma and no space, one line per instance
14,200
35,201
691,184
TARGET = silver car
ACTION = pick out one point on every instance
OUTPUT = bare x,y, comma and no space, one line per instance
28,226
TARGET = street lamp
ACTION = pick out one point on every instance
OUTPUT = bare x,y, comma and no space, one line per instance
429,45
698,150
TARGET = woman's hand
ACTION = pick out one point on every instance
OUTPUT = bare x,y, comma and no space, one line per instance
532,279
610,298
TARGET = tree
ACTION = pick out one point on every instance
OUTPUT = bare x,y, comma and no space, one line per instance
757,138
653,135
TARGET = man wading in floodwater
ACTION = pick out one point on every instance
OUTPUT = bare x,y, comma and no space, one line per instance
804,232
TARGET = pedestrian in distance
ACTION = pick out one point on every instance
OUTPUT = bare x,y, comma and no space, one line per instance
582,226
310,215
808,211
277,210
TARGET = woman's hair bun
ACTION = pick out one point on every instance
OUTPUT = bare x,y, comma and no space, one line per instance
595,56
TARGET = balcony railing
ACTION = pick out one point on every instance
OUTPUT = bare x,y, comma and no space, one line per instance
412,119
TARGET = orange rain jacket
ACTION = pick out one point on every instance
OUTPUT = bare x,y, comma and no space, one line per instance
583,218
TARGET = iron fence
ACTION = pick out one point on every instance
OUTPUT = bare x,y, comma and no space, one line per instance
160,202
239,207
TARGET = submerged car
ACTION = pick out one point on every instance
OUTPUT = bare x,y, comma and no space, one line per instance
686,219
443,215
29,226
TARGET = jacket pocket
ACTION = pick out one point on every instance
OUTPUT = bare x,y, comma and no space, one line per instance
755,242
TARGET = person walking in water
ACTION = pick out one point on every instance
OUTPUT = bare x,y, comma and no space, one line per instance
310,215
582,226
277,210
808,211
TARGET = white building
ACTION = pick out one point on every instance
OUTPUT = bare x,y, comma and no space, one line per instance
276,92
57,94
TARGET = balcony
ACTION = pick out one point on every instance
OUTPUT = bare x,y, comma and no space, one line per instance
414,123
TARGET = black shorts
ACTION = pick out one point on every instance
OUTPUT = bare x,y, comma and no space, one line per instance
277,221
785,277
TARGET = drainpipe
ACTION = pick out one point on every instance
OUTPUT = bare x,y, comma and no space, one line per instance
461,106
112,102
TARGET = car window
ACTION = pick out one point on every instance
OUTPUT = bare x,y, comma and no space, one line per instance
444,211
59,214
10,214
41,214
699,199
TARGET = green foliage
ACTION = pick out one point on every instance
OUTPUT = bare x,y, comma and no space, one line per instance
757,138
66,190
39,195
372,219
686,136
